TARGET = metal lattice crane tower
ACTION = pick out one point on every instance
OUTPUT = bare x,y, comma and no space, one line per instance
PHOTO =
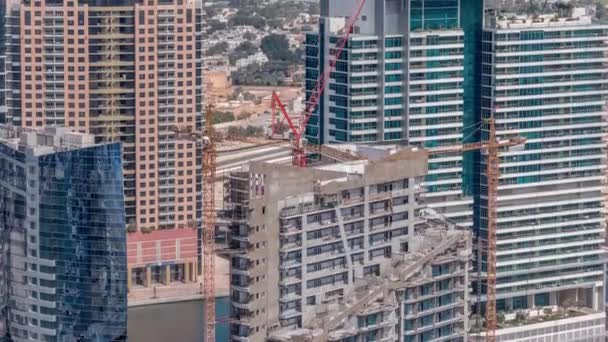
206,141
491,147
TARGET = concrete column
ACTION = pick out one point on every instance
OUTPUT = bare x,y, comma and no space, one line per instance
167,274
186,272
129,277
193,274
148,276
596,297
552,298
531,303
509,304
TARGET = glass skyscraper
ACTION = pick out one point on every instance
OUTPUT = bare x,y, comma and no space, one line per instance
545,80
400,80
63,262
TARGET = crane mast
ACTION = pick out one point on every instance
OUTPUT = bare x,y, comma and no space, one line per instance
493,175
491,147
206,141
209,168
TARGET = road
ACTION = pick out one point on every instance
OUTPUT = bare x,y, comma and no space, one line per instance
236,159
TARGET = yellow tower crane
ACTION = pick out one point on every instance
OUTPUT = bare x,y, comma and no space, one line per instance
491,147
206,141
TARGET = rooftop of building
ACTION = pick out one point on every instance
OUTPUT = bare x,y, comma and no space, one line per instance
565,16
91,3
337,27
540,317
44,140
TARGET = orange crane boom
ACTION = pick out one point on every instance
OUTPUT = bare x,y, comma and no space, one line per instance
205,139
493,174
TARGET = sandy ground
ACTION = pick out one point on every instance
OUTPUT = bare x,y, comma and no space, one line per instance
179,291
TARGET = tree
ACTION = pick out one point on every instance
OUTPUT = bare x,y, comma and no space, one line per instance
314,9
268,74
218,49
276,47
221,117
246,19
131,226
237,132
244,50
254,131
600,11
500,318
247,96
215,25
211,12
241,3
244,132
275,23
146,230
250,35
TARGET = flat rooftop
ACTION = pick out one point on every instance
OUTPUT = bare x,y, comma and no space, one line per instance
540,317
578,16
43,141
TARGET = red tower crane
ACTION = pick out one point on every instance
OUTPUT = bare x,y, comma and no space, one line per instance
299,152
491,147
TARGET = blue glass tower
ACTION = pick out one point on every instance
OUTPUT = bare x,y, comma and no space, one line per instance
64,238
400,80
544,78
434,14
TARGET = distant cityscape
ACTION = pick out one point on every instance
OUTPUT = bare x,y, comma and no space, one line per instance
337,170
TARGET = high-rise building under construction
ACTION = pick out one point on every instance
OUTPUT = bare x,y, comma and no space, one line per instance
340,252
431,73
124,71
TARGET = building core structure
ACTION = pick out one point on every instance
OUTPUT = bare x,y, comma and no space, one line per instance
63,261
126,71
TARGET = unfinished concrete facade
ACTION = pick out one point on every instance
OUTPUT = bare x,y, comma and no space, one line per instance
306,237
422,297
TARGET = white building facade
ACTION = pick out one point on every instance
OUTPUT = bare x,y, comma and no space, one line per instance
544,78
